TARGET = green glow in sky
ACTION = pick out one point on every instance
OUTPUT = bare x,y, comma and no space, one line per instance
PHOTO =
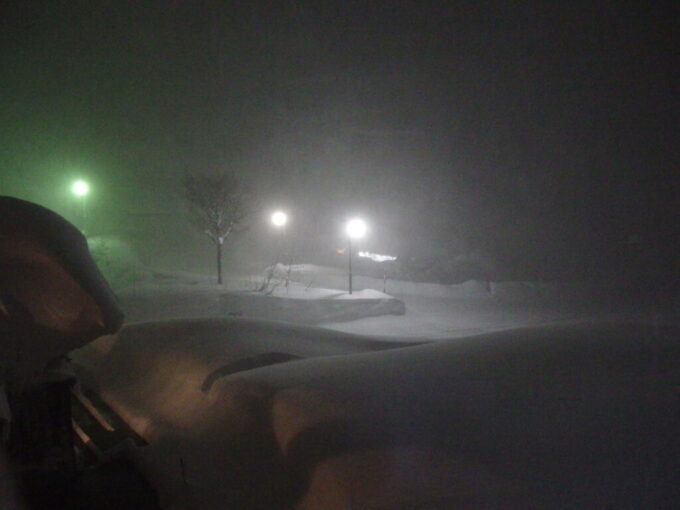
80,188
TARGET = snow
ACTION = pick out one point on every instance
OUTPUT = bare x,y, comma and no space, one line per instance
484,393
296,304
523,398
336,278
521,402
408,309
518,417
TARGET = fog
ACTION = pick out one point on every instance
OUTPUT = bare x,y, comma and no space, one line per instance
539,139
511,343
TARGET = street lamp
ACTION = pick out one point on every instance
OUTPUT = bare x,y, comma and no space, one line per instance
280,219
81,189
355,229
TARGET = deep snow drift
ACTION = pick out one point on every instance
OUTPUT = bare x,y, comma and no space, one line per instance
582,415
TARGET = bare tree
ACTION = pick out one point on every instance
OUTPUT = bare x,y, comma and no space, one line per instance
217,205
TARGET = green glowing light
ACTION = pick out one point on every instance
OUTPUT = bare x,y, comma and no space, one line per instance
80,188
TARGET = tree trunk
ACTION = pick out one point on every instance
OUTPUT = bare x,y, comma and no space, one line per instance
219,263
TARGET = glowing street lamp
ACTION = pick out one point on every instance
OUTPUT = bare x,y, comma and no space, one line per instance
279,219
355,229
81,189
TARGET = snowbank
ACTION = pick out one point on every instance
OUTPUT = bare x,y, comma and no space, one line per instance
311,306
184,296
575,416
312,275
513,291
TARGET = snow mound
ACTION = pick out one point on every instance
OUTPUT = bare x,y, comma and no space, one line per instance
323,276
311,306
164,366
542,418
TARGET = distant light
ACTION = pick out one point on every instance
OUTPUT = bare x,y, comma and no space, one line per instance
80,188
376,256
356,228
279,219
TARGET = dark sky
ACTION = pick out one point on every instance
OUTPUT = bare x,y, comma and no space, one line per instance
542,132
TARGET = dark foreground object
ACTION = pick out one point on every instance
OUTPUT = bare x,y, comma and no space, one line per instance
52,299
116,485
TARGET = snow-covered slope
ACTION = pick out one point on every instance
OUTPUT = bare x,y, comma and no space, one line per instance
582,415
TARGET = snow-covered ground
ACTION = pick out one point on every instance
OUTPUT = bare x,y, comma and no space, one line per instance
293,303
539,395
402,395
581,415
317,295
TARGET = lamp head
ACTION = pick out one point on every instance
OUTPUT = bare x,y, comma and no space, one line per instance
279,219
80,188
356,228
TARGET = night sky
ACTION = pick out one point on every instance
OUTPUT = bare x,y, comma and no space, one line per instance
542,133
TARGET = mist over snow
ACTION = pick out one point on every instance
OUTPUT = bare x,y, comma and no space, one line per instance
445,236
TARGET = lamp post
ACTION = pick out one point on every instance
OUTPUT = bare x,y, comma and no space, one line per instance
81,189
355,229
280,219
